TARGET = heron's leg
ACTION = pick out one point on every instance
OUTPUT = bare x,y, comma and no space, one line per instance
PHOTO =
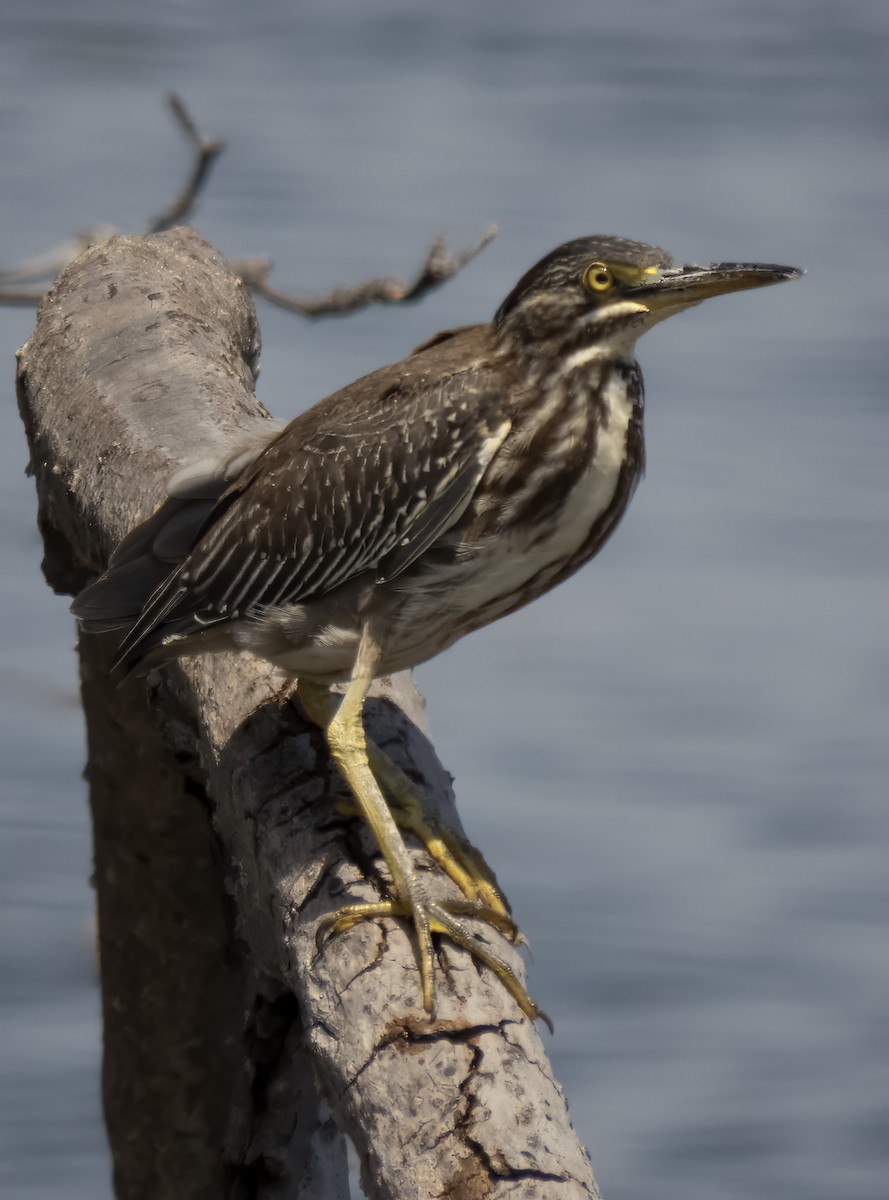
453,853
348,747
457,857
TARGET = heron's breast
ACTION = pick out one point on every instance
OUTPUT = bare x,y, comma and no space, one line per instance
529,548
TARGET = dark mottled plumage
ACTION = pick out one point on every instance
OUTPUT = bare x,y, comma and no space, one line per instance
431,496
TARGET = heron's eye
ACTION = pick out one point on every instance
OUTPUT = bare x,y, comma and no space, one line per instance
598,277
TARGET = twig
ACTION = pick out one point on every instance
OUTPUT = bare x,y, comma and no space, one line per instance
44,268
207,150
47,265
24,299
440,265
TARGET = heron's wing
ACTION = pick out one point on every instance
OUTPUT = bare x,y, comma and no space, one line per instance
143,561
323,508
365,481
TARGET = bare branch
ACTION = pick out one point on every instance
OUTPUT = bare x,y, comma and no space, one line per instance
440,265
28,298
206,151
44,267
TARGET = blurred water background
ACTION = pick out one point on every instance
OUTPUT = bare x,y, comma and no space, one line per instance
678,762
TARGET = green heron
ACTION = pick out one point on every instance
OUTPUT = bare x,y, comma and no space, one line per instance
406,510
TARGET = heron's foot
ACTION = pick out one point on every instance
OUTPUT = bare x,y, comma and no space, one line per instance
457,857
441,917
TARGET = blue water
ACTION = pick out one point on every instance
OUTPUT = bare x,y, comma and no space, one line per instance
678,762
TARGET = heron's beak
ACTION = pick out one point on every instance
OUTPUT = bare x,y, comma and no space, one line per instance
674,288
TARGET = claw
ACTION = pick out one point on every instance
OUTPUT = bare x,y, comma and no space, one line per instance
438,917
457,857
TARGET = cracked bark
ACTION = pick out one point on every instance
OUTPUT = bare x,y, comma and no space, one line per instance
230,1035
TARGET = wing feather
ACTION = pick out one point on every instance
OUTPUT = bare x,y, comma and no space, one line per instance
366,481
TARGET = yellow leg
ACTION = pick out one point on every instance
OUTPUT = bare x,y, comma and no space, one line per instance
456,856
349,749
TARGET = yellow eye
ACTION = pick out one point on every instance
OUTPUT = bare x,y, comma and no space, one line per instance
598,277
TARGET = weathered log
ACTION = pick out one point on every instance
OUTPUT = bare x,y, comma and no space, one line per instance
218,844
